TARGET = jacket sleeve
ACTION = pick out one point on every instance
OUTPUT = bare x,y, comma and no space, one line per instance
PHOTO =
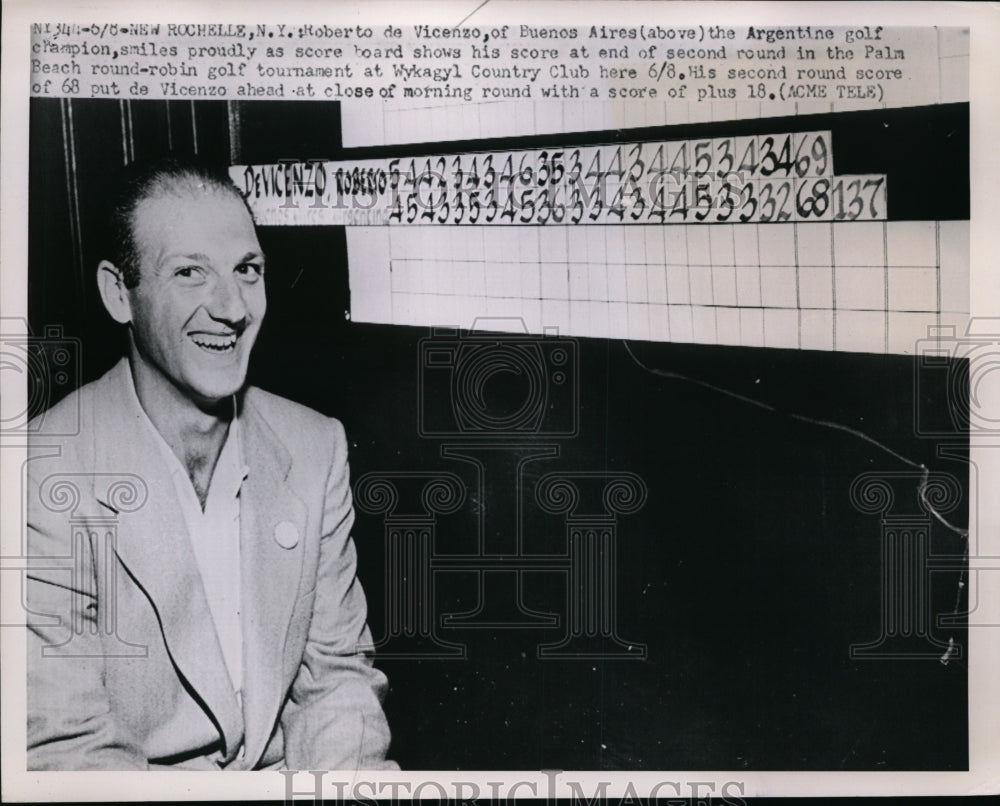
70,722
334,719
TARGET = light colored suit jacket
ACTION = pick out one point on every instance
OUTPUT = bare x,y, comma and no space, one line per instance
125,670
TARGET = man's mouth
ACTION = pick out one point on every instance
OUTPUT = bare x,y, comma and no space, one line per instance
215,342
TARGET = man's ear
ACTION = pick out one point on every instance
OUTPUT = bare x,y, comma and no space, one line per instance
114,295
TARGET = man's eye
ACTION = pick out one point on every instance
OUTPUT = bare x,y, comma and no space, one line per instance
187,272
250,270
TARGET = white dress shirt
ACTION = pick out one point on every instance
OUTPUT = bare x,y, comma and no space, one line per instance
215,539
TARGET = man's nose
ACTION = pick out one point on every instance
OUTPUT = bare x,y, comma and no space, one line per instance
226,302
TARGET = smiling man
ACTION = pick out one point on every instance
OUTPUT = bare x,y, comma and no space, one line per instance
195,605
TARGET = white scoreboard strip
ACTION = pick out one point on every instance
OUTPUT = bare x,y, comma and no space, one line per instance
747,241
768,178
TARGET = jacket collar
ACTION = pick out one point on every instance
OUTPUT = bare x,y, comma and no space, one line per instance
271,573
154,546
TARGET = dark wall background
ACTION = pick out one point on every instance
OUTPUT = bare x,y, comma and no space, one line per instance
747,574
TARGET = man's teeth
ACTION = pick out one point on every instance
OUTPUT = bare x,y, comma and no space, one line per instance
218,343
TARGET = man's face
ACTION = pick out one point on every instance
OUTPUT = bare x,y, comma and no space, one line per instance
200,299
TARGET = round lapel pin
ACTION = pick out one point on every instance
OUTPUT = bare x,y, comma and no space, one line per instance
286,534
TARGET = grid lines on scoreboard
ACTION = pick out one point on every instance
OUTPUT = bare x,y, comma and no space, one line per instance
866,286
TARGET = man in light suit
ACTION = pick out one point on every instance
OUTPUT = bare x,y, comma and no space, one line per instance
192,593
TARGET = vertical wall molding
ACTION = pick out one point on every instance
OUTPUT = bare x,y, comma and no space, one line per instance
170,127
234,115
72,191
194,127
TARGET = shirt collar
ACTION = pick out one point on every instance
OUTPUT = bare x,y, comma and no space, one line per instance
230,469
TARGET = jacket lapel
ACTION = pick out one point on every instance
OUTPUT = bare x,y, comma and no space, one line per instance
153,545
272,527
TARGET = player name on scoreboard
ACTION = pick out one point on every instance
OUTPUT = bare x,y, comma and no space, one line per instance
758,179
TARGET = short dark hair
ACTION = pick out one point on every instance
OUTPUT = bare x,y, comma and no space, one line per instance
144,180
